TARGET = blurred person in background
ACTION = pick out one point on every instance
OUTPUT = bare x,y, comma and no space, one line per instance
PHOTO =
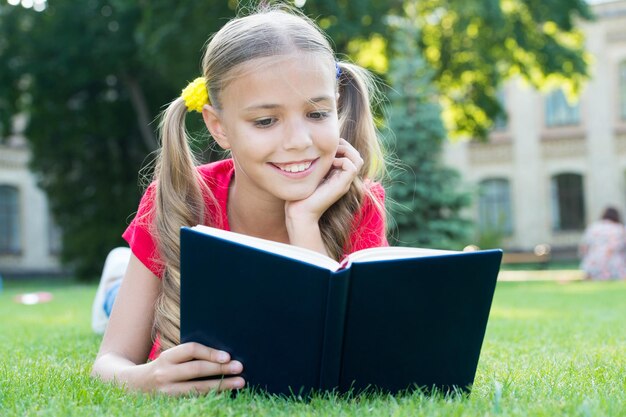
603,248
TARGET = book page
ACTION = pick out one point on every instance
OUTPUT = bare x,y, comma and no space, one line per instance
290,251
395,252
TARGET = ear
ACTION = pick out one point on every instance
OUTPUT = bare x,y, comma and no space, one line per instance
213,121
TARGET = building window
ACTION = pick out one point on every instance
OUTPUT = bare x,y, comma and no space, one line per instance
494,206
10,242
568,207
559,112
622,89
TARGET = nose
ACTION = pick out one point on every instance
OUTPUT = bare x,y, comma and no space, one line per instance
297,136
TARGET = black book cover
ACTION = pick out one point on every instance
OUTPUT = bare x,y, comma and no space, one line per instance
298,328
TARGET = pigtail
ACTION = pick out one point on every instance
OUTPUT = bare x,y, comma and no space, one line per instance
356,92
179,201
356,122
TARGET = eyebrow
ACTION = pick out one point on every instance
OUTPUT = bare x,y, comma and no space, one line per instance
270,106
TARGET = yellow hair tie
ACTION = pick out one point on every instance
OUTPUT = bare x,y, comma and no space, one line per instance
196,95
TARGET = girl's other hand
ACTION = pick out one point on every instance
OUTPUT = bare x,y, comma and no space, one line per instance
343,171
176,370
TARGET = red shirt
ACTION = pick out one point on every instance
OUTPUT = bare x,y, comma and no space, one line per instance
368,228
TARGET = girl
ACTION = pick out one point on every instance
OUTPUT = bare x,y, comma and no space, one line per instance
299,129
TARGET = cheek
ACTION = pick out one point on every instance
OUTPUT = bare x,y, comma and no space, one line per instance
251,142
330,140
332,147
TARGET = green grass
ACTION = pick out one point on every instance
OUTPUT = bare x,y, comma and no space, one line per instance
550,350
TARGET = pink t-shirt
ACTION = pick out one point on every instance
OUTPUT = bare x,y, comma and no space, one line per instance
368,228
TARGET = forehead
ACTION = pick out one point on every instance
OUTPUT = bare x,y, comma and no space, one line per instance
283,78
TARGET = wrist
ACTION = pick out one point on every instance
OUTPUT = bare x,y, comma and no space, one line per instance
301,222
120,371
297,216
132,377
306,234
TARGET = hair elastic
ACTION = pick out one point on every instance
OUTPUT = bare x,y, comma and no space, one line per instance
337,69
195,94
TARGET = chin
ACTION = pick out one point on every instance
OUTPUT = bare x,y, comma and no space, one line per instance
297,195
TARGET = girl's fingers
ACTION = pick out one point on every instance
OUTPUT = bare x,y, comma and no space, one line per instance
338,181
191,350
199,369
203,387
346,165
346,150
189,361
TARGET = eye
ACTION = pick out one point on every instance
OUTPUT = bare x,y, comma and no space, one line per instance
265,122
318,115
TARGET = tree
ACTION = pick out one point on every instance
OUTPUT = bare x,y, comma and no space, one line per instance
75,70
347,20
475,45
426,196
92,77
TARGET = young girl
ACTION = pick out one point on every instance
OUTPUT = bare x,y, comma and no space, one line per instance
304,148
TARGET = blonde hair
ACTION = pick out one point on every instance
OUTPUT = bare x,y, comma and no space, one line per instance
181,195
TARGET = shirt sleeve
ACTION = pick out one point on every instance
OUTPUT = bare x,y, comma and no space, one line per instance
140,236
369,228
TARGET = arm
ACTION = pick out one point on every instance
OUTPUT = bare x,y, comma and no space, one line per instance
127,341
302,217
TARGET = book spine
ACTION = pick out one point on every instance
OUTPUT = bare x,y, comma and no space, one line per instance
334,329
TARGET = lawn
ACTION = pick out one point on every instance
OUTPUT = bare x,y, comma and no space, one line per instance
551,349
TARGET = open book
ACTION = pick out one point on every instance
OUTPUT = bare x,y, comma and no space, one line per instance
387,319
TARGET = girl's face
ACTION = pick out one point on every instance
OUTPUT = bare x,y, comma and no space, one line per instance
279,119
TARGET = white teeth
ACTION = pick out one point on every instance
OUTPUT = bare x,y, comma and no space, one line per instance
295,167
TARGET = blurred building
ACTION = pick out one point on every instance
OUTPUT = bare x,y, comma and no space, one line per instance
552,167
29,240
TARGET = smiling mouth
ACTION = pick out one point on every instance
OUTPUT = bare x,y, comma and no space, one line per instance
295,167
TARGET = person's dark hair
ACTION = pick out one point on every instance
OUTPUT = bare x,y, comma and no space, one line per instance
612,214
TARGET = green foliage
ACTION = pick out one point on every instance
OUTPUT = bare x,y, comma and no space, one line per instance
550,350
475,45
344,20
92,77
428,201
86,146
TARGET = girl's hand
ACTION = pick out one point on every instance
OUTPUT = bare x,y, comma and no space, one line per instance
343,171
175,371
302,217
